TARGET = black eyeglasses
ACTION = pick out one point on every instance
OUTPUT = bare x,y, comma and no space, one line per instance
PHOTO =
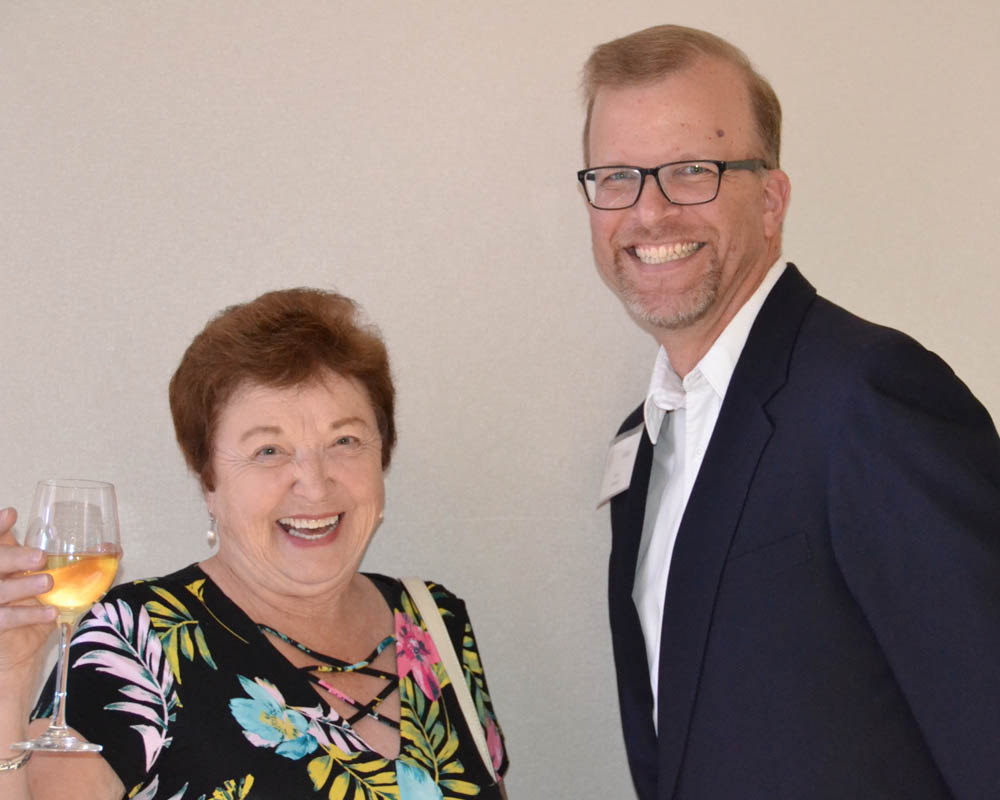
683,183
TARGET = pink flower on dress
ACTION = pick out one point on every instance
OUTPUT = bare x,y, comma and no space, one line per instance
416,655
494,743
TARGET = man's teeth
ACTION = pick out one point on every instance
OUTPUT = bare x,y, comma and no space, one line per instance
300,528
661,254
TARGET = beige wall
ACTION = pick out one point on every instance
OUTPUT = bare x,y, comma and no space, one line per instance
161,160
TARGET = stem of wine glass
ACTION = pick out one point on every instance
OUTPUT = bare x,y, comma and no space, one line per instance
58,725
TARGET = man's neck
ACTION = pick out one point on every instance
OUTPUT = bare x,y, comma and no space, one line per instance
688,345
684,349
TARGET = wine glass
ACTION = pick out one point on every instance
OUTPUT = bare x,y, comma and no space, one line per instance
76,523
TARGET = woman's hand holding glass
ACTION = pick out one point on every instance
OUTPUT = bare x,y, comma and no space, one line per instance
75,523
25,624
25,627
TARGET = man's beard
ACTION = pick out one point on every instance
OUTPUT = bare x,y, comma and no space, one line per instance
671,312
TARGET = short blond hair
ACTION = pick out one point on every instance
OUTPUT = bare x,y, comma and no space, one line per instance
651,54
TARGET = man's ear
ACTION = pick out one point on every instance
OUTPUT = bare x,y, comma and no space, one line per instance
777,193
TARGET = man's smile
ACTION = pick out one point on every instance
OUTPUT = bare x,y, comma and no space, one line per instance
662,253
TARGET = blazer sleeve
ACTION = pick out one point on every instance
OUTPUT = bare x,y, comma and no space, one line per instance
915,519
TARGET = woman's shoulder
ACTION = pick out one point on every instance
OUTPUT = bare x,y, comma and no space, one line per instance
450,606
188,580
394,591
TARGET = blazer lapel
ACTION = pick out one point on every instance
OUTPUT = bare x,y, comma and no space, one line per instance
635,695
713,513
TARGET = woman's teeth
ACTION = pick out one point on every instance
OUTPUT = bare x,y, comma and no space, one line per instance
309,529
661,254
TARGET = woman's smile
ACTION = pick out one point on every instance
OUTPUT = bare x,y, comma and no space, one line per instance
310,529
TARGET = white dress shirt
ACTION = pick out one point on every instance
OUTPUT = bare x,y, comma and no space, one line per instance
680,439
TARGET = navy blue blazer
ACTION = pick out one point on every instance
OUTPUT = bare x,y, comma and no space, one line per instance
832,619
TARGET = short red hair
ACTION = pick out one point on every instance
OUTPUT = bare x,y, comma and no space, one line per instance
282,339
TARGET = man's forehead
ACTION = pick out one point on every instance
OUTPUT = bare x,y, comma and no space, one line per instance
705,76
709,97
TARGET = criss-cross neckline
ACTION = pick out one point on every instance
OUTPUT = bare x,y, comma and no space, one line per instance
332,664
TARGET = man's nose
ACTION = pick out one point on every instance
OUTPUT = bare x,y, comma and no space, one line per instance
652,202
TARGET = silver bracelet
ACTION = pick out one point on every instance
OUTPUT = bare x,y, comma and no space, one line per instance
11,764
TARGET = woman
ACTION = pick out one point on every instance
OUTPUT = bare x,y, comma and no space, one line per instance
274,668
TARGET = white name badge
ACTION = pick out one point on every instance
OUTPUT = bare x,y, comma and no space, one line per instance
619,464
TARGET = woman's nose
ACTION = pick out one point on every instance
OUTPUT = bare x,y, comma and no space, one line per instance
313,476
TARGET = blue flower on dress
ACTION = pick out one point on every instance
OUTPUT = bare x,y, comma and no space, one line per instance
268,722
415,784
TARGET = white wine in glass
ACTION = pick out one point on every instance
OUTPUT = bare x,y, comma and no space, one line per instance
76,523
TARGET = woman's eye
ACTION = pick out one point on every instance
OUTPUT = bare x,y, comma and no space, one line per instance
346,440
269,450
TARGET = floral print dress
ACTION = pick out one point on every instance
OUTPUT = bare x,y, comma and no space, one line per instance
192,702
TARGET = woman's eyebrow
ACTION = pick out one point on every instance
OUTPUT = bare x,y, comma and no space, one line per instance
273,430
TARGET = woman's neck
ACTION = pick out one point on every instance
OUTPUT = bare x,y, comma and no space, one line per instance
343,615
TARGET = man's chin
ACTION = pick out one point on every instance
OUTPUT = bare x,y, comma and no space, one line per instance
654,313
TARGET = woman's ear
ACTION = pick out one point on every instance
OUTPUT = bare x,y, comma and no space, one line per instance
209,496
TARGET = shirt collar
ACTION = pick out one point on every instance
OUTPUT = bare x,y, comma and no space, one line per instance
667,391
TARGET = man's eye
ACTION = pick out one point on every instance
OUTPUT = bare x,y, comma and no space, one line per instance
346,440
619,176
692,170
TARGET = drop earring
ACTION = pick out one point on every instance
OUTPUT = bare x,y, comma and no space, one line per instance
212,534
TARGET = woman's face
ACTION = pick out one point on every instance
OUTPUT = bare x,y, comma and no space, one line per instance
299,488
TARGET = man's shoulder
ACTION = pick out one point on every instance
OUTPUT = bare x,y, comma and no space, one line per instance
840,339
841,355
820,322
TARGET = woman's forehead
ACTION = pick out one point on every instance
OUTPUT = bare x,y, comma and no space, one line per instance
325,399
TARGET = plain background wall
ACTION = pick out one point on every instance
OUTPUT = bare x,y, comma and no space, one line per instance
159,161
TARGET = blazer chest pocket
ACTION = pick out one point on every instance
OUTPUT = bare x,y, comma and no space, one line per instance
768,559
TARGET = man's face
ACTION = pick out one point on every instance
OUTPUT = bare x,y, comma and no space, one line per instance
685,267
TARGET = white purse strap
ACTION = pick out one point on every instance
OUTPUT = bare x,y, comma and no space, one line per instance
431,616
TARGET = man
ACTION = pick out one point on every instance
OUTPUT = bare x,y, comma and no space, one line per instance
805,570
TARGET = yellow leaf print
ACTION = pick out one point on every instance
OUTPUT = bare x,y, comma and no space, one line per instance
319,770
175,626
340,786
